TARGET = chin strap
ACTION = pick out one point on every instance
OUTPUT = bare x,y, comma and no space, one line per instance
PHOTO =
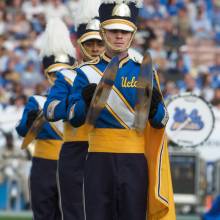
116,49
84,51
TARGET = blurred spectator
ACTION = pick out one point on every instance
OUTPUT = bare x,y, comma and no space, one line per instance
72,5
30,78
190,85
215,71
178,69
152,9
191,9
173,39
158,53
170,89
27,53
201,26
2,22
173,7
20,27
32,8
145,35
3,59
216,98
55,8
183,23
205,81
13,7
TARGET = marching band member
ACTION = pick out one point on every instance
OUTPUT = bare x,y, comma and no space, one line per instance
127,174
43,184
75,146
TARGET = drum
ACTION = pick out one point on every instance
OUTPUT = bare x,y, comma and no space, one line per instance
191,120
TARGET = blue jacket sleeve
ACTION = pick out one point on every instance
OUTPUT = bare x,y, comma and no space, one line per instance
55,107
21,128
77,108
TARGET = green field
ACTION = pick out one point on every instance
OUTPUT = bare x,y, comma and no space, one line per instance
15,216
27,216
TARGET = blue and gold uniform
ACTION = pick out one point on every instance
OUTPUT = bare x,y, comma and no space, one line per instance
127,173
43,187
74,148
119,111
115,148
57,53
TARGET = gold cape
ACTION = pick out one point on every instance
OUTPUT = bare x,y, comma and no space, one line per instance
160,192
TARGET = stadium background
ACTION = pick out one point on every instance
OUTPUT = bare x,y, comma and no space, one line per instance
183,37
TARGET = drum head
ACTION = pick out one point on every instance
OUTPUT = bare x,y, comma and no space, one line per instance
191,120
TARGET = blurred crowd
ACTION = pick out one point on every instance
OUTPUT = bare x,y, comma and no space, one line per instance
183,37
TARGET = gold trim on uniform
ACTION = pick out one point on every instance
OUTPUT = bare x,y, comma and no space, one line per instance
52,67
116,90
123,99
68,80
121,63
71,134
90,62
56,129
106,58
47,149
109,140
118,21
116,116
51,107
91,33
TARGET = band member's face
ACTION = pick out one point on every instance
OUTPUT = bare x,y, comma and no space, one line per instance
94,47
118,38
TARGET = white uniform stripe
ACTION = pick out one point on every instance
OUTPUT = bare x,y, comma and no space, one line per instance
120,109
40,100
91,74
59,191
70,74
114,101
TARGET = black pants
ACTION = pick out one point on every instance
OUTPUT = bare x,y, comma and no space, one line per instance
115,186
70,178
43,190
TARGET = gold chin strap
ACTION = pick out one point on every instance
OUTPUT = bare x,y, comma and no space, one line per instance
115,49
50,79
85,53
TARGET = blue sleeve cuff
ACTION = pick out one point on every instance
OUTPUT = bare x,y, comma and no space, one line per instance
21,128
55,110
160,118
56,105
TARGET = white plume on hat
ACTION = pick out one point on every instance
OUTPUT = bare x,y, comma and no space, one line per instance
86,11
56,39
139,3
